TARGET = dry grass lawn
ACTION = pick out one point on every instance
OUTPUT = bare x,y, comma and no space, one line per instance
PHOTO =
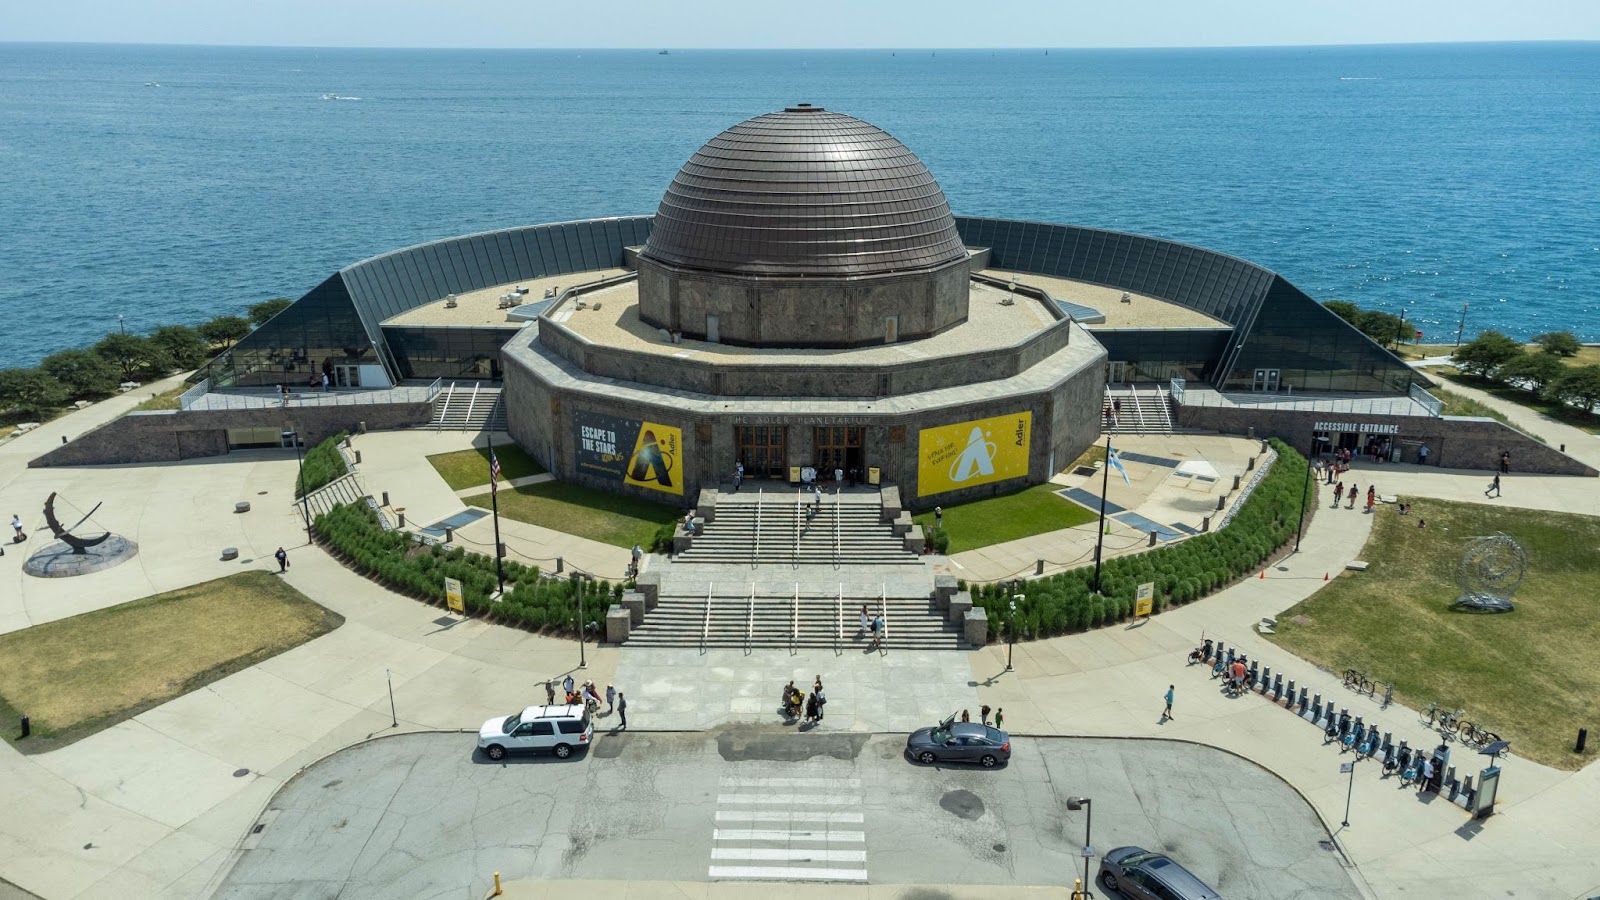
76,676
1532,675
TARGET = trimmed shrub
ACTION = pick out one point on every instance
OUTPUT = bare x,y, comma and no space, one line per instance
323,464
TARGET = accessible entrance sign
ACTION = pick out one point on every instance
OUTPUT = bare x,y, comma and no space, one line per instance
452,596
1144,602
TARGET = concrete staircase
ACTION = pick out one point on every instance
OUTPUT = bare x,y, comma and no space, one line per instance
344,489
464,406
759,528
787,615
1143,410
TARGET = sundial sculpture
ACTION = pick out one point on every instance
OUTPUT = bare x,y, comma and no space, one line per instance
1491,569
74,554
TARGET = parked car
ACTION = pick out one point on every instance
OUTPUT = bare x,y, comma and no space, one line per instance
559,729
1141,874
952,741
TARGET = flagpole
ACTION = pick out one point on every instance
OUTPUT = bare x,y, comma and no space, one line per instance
494,501
1100,537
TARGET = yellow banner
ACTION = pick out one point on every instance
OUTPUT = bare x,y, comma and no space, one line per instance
657,460
973,453
452,596
1145,600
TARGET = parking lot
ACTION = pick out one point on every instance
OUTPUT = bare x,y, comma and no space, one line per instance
424,815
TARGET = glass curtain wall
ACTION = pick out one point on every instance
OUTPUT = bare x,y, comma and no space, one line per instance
1312,349
447,351
318,332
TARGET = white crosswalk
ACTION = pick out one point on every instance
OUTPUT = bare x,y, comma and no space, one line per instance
788,829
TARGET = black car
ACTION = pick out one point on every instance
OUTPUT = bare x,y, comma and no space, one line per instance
1141,874
952,741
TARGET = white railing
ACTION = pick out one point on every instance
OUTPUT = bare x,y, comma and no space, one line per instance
883,613
435,388
794,634
445,411
1178,385
1391,404
705,629
1138,407
472,401
838,609
187,398
799,517
750,622
755,561
1432,404
836,529
269,398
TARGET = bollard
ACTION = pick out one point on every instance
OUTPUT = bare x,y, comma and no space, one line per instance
1205,525
1316,711
27,727
1236,482
497,891
559,563
1038,567
402,514
361,427
1277,688
1583,740
1251,465
449,534
1563,448
1222,503
385,499
1153,538
358,457
1300,701
64,440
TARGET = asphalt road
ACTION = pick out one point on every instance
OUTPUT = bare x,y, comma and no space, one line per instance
425,816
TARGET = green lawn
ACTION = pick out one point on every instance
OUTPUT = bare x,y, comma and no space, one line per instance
470,468
574,509
995,520
1567,415
80,675
166,400
1532,675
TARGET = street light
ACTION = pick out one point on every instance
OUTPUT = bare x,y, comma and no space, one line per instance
1305,489
1083,803
1349,792
577,588
121,326
305,503
1011,626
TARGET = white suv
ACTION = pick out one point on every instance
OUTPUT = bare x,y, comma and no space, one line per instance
556,728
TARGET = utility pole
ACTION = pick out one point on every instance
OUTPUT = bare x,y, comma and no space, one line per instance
1100,536
1461,329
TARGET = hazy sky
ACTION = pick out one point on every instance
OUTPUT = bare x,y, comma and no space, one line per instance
809,24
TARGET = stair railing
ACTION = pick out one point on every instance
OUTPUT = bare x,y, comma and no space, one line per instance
799,516
1138,407
750,623
705,630
472,403
444,411
836,513
794,634
883,611
838,635
755,561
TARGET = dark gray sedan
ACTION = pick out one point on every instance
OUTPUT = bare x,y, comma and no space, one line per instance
1142,874
952,741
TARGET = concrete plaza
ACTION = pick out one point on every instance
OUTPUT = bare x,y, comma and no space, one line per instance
154,806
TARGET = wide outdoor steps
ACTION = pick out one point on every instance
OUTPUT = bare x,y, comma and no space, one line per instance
345,489
1144,410
469,406
845,530
680,621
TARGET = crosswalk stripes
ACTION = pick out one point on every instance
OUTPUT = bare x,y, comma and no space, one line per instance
788,829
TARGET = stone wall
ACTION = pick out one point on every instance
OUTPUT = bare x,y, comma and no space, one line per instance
1456,442
172,435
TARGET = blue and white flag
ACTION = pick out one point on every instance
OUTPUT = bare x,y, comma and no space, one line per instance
1116,463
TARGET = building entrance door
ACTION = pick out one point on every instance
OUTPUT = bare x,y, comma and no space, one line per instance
1116,372
837,447
763,449
1266,380
347,376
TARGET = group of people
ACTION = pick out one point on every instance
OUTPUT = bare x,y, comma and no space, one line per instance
873,626
983,716
1354,492
588,695
795,701
1232,669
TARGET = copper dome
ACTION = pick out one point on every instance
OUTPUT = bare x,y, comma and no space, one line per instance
804,192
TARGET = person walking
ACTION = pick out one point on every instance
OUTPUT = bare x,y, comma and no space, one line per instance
17,536
326,383
566,685
611,698
878,629
983,714
1000,719
549,692
282,556
622,711
738,476
1372,497
866,622
1167,713
1338,494
1354,489
811,707
1494,486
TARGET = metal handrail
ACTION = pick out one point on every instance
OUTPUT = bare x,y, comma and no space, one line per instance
883,610
472,402
705,630
750,623
755,561
794,636
799,516
435,387
837,504
448,396
838,636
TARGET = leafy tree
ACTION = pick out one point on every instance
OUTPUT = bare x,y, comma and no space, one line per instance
1534,370
1486,353
125,351
1558,343
1385,328
84,372
266,309
182,343
1579,387
225,330
30,390
1345,310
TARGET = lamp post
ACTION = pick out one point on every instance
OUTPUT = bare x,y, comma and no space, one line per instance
577,588
1011,627
1305,490
305,504
1350,791
121,325
1084,803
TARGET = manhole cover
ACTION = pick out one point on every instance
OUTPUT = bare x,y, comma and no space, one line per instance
240,773
962,804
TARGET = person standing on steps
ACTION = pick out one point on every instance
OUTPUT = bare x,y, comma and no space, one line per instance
738,476
866,621
1494,486
622,711
1167,713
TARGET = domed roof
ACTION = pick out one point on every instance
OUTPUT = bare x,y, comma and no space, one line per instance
804,192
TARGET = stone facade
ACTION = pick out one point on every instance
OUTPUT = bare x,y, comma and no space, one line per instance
1458,442
172,435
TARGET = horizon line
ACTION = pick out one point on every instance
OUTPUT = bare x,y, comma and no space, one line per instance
932,48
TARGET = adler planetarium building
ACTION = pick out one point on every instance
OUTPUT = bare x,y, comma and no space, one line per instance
803,301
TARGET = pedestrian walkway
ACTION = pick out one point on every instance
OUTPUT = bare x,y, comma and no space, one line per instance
505,485
788,829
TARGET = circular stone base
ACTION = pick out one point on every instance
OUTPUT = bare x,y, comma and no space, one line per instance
58,561
1485,603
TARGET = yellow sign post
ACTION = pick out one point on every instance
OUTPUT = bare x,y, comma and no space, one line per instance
452,596
967,454
1145,600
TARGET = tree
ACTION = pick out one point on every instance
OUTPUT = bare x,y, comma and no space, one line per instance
30,390
1345,310
225,330
84,372
1486,353
1534,371
1579,387
266,309
125,351
182,343
1558,343
1385,328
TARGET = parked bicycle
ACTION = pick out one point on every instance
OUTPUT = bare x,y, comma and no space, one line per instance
1450,723
1475,735
1358,682
1430,713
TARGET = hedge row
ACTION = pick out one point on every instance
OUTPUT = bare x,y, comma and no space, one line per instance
323,464
531,601
1182,572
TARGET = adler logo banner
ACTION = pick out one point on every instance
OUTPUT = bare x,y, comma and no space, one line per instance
643,454
973,453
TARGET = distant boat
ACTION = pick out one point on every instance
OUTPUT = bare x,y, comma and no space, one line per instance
663,53
152,84
338,97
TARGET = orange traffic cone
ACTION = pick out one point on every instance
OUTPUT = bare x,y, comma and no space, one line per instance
1324,576
1263,574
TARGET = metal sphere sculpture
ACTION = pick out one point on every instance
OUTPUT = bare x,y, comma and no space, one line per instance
1491,569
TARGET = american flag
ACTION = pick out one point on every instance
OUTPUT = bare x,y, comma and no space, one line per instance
494,472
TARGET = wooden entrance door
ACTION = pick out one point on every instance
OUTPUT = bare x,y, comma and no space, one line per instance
763,449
